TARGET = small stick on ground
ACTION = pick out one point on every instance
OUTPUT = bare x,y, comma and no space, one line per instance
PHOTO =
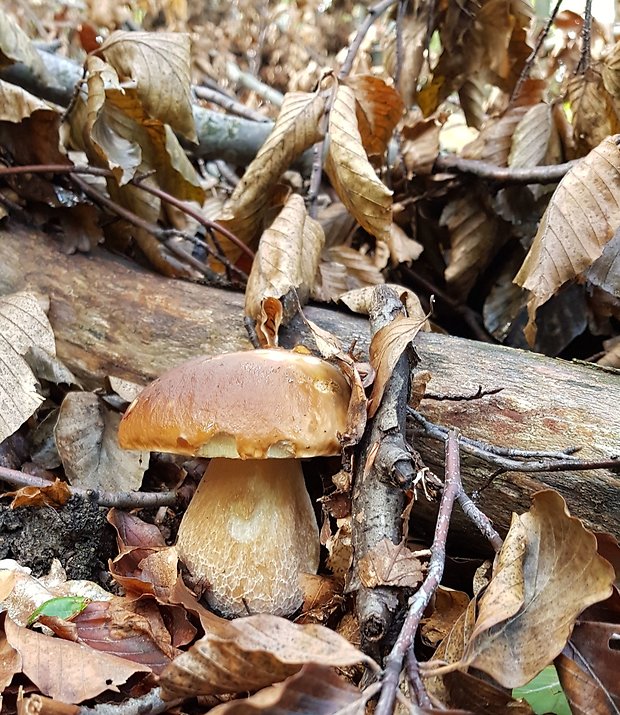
148,704
377,504
120,500
420,600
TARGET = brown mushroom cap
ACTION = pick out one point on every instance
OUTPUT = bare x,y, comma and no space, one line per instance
249,405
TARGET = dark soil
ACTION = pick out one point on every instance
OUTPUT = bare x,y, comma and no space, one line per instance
77,534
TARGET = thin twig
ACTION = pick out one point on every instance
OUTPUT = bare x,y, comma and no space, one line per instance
120,500
252,83
315,179
555,461
547,174
374,13
478,395
479,519
586,38
148,704
420,600
137,181
417,684
229,104
527,67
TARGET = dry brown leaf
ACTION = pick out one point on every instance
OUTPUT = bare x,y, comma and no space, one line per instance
531,137
23,324
472,97
314,684
402,248
420,143
87,444
378,110
337,223
386,347
252,653
594,112
67,671
610,71
605,271
414,29
360,267
159,65
268,322
611,358
447,609
10,661
286,261
297,127
16,46
55,495
547,573
581,218
16,104
360,300
389,564
475,238
350,172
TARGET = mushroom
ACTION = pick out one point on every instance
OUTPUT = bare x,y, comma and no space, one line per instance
250,528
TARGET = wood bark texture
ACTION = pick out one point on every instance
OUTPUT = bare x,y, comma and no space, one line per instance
113,318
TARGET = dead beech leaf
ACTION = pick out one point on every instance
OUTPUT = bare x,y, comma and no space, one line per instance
10,660
16,104
159,65
67,671
355,181
414,31
386,347
252,653
402,248
475,238
580,220
389,564
297,127
268,322
605,271
16,46
329,694
23,324
286,260
546,574
379,109
56,494
88,446
420,142
531,137
594,111
447,609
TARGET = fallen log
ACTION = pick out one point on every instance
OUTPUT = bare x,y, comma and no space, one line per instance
112,318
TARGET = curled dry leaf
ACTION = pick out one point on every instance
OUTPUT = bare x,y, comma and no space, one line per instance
252,653
55,495
414,29
286,261
314,684
378,109
297,127
580,220
386,347
350,172
67,671
23,324
16,46
547,573
447,609
402,248
87,444
16,104
389,564
159,65
359,301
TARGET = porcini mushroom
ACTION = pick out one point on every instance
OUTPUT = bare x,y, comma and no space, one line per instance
250,528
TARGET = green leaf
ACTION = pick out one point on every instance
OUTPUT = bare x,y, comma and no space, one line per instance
544,693
65,607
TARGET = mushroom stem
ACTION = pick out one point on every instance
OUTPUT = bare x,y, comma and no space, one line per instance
248,533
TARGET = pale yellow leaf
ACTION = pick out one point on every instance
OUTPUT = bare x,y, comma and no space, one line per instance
386,347
159,65
286,260
581,218
297,127
350,172
23,325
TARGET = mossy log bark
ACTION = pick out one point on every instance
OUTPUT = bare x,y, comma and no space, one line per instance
112,318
